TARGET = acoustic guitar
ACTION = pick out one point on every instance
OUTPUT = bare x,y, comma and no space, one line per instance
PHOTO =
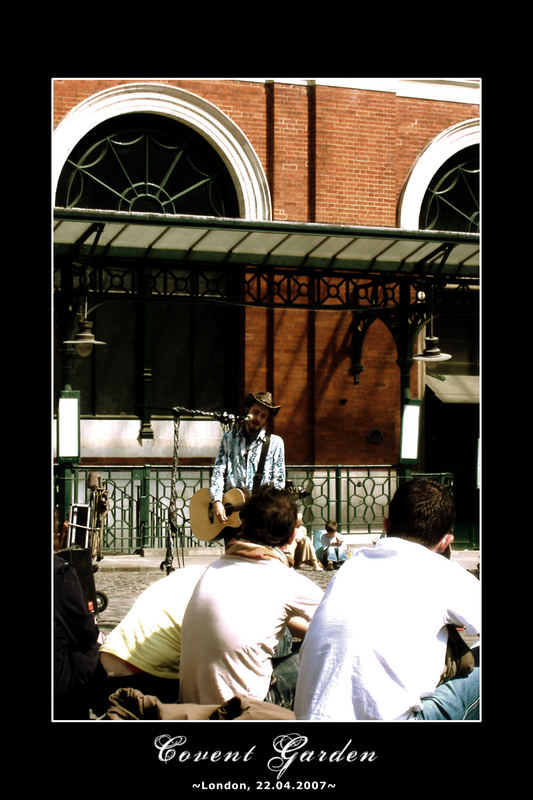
204,523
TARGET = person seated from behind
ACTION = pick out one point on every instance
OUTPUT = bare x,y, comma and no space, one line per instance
334,552
301,550
241,607
143,650
377,647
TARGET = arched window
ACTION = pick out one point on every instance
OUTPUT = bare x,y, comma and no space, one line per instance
195,113
451,148
150,163
451,202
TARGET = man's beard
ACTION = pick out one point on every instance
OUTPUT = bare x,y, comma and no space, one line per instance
251,431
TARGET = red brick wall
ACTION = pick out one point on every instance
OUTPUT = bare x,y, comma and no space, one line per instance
348,167
366,141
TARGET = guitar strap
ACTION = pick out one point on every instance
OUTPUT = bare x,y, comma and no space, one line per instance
261,466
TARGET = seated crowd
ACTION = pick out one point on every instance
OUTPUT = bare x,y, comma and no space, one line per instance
375,646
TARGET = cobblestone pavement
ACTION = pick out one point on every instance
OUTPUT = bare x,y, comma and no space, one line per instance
122,588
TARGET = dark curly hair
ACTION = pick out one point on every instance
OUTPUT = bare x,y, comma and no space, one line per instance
270,516
421,510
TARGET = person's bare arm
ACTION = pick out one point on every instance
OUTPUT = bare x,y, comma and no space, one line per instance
298,627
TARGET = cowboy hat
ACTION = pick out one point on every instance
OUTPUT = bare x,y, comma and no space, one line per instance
264,399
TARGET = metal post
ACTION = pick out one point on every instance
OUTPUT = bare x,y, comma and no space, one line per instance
65,486
143,510
338,499
146,431
406,333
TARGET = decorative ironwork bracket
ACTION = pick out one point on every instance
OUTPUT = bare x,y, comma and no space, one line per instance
403,302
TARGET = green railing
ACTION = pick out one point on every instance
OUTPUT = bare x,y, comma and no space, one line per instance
139,499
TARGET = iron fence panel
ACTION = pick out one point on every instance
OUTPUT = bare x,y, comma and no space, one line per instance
139,500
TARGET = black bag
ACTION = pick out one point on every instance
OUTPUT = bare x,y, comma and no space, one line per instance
76,647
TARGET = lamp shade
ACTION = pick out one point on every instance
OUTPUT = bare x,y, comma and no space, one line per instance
431,351
84,339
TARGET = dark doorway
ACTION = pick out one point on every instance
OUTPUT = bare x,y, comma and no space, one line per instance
451,445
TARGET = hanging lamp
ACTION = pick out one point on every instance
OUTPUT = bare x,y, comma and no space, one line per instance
84,339
431,352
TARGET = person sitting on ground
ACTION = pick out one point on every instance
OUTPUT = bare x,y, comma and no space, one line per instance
334,552
143,650
301,550
241,608
376,648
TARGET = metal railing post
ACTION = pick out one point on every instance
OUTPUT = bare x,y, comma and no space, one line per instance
357,496
143,510
338,495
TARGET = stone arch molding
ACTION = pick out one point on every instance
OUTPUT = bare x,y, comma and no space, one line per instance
443,147
211,123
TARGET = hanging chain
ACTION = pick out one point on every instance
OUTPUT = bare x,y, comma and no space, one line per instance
226,420
173,481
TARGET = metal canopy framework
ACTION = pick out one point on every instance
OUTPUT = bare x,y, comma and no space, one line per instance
401,277
178,239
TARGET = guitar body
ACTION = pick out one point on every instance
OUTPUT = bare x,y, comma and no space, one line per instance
204,524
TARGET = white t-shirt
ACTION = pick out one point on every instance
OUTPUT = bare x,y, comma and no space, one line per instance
331,541
149,636
233,624
377,644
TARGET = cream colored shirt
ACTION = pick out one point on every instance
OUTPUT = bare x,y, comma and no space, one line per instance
149,636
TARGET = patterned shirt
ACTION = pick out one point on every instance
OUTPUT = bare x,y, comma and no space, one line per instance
237,462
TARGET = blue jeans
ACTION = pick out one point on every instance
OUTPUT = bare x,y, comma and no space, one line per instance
334,554
285,663
283,684
455,699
